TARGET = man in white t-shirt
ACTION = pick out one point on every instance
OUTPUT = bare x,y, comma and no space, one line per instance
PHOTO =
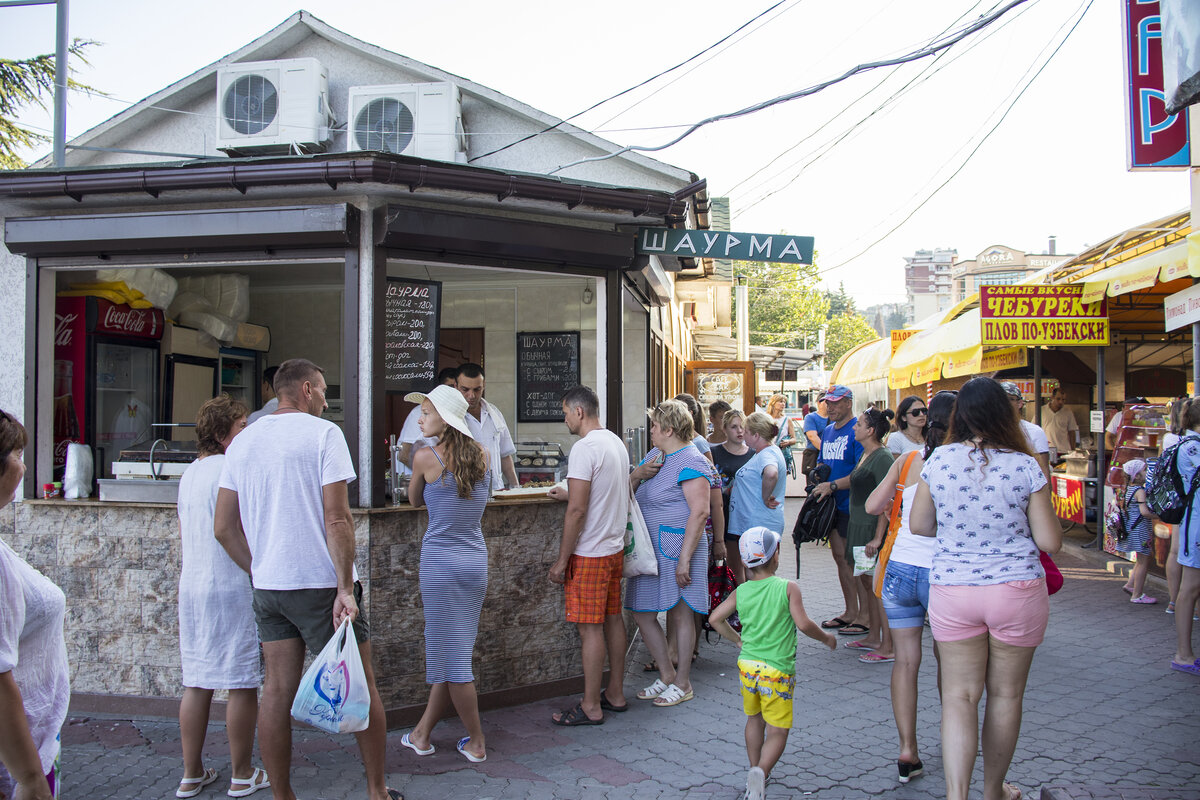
411,439
1059,423
1033,434
591,557
283,515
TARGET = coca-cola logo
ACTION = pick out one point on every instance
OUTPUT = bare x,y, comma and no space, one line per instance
128,321
63,329
60,451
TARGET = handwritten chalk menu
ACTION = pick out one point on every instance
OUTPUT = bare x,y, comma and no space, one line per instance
547,365
412,312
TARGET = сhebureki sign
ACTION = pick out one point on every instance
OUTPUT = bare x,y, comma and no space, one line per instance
1041,315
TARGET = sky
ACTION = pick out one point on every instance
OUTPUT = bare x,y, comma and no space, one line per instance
846,165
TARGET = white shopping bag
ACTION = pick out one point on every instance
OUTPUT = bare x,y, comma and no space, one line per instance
863,564
333,694
639,549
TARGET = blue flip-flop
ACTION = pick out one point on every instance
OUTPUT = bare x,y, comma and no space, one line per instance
1191,669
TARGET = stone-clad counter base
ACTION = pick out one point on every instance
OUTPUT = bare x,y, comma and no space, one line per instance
118,564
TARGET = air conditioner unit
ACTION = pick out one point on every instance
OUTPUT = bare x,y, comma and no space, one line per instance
273,107
413,119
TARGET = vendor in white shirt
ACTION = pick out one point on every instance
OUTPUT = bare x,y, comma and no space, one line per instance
1059,424
488,426
268,393
411,439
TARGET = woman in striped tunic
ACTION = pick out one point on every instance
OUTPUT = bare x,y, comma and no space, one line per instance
451,479
673,487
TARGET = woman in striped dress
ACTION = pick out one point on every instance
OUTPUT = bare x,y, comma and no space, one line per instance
451,479
673,487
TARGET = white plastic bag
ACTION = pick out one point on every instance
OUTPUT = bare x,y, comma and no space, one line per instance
639,550
863,564
333,694
77,477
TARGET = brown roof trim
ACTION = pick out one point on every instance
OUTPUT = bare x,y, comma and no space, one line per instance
243,174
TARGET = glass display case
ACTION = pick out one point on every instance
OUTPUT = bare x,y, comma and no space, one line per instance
1139,436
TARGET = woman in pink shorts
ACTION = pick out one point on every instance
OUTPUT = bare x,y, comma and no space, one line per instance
986,499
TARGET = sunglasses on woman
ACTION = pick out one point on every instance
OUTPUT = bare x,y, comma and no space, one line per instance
919,412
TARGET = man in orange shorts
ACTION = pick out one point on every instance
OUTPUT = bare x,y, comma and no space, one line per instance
591,555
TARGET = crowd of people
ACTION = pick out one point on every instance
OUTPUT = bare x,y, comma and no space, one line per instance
943,516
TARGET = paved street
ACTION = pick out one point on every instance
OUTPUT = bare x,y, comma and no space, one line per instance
1102,710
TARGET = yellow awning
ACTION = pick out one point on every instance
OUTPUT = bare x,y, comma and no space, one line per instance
867,362
1162,265
949,350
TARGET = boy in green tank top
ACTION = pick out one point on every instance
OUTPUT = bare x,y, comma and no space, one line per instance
771,611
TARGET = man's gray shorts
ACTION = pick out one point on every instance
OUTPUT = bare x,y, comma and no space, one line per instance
303,614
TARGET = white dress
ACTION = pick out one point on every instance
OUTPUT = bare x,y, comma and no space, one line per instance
218,641
32,647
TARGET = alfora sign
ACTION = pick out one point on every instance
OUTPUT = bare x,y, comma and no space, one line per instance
683,243
1041,315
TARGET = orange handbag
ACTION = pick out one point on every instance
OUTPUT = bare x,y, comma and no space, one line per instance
885,552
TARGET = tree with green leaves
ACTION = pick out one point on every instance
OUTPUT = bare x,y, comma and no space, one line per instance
28,82
846,331
788,308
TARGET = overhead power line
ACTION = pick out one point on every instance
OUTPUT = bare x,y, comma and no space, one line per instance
717,43
978,25
974,150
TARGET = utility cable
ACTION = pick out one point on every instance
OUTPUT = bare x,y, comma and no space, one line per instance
927,73
978,25
632,88
970,155
831,119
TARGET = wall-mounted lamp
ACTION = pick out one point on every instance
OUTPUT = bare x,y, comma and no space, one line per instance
587,295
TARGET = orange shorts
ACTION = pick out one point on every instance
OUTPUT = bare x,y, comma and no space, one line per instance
594,587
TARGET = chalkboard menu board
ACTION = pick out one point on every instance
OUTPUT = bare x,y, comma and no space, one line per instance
547,365
412,311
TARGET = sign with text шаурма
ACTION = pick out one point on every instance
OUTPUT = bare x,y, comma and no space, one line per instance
547,366
1041,315
411,320
683,243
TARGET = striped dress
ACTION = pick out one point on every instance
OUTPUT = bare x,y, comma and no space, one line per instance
1139,530
453,577
666,511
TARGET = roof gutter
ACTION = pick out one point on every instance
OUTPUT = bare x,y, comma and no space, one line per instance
392,171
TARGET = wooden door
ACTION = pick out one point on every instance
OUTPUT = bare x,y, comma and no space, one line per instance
456,346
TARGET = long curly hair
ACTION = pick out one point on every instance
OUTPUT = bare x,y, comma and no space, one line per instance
464,458
984,412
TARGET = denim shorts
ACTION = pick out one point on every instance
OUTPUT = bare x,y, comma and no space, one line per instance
905,595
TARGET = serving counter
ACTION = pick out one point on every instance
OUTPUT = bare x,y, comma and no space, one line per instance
118,564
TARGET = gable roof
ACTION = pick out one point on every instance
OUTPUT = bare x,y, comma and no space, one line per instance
276,43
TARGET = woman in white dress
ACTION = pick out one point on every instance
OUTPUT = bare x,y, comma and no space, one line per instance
34,687
218,642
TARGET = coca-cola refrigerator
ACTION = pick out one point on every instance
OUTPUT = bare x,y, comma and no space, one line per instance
106,387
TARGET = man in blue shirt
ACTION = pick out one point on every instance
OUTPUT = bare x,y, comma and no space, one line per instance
814,423
841,452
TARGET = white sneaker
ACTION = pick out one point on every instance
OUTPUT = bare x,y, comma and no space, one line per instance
756,784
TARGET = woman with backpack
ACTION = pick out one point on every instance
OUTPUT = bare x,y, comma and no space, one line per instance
1173,570
905,590
1188,556
1138,523
986,499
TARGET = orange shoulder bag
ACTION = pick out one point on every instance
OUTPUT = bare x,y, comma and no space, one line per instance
885,551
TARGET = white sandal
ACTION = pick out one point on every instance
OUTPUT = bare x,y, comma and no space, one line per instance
252,784
653,690
208,777
673,696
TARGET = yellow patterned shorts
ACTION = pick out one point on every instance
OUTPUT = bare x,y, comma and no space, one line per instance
767,691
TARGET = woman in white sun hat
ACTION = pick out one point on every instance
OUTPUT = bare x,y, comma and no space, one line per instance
451,480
